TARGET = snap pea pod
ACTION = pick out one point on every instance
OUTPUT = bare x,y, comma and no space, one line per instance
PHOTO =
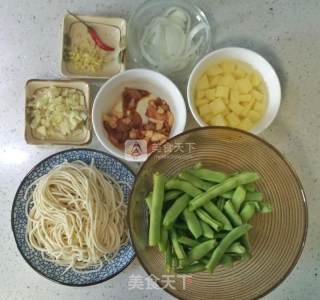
236,248
232,213
175,210
172,194
193,223
226,186
197,182
220,203
187,187
250,187
238,197
178,249
217,226
156,209
207,230
149,201
247,212
163,240
168,257
224,245
201,250
198,267
187,241
209,175
216,214
254,196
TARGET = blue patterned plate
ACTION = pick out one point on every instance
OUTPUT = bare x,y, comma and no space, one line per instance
104,162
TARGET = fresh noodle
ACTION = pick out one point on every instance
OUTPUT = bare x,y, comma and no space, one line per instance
77,216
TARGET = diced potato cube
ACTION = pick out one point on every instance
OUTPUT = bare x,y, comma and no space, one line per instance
214,81
204,109
210,94
257,95
236,108
244,85
227,80
245,98
247,108
239,72
259,107
222,91
228,66
255,79
254,116
219,120
203,83
246,124
234,96
217,106
214,70
233,119
200,94
200,102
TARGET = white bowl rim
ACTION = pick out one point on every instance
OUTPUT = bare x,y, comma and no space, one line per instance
181,119
250,52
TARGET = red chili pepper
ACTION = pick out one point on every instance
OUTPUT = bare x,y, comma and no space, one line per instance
93,35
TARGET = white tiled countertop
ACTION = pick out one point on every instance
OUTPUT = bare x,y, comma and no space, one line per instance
285,32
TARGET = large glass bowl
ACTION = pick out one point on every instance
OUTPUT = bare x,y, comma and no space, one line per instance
145,13
277,238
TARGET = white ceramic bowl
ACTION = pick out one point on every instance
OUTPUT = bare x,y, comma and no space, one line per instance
258,63
154,82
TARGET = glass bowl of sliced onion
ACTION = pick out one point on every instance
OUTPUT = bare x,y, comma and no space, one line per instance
168,36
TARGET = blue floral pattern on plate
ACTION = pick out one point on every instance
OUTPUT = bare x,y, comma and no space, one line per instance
104,162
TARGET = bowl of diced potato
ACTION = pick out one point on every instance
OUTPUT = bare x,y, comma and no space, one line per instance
234,87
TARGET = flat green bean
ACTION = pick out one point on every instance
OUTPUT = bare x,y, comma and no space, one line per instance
232,213
209,175
201,250
178,249
156,209
247,212
164,240
238,197
194,180
193,223
172,194
216,214
207,230
205,217
187,187
175,210
187,241
198,267
224,245
226,186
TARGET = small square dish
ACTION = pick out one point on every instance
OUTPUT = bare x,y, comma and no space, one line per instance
81,57
57,112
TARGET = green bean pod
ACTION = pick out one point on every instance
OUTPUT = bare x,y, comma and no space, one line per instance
178,249
232,213
201,250
216,225
168,258
238,197
236,248
171,195
164,240
156,209
250,187
254,196
209,175
216,214
247,212
187,241
207,230
149,201
198,267
224,245
193,223
197,182
221,188
175,210
187,187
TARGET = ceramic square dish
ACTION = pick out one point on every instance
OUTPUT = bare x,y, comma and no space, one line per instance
112,31
35,84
